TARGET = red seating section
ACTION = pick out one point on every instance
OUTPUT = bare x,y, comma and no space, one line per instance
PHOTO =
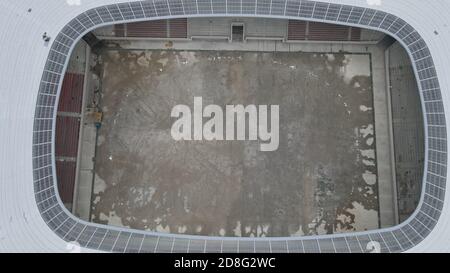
68,133
297,30
65,171
71,96
176,28
313,31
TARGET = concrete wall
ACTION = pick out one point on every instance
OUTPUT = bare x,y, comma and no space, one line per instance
371,35
254,27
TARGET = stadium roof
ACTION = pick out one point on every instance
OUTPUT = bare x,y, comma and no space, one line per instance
33,219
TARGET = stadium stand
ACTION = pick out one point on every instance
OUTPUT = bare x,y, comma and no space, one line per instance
313,31
66,172
408,131
71,96
175,28
67,135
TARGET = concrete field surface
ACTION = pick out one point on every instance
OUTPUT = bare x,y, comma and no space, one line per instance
322,179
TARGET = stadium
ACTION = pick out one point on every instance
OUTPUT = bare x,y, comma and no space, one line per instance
317,126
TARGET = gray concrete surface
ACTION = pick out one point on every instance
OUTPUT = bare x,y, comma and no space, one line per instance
383,122
408,131
86,147
322,179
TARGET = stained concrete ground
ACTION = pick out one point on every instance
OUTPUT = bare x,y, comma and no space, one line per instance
321,180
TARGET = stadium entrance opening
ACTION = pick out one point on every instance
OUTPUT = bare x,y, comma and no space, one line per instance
237,32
